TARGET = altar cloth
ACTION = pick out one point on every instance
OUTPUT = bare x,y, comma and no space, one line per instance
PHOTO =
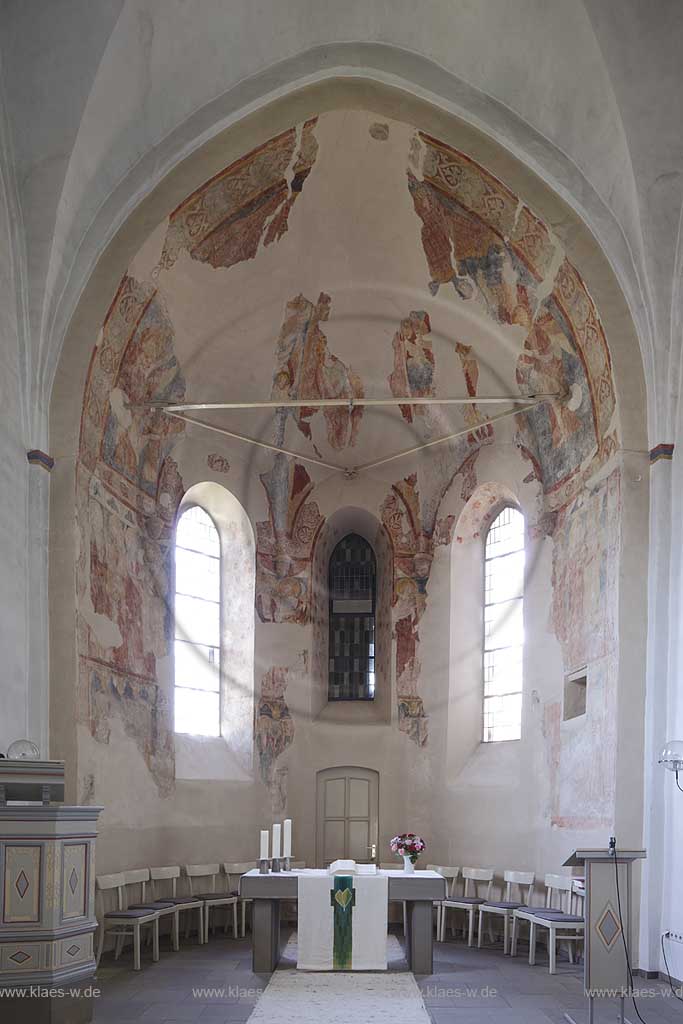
342,921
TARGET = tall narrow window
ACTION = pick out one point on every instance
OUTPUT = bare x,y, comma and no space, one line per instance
352,588
197,624
504,626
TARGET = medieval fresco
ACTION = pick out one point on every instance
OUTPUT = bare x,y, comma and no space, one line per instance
284,544
248,204
274,723
279,280
480,238
306,369
128,490
585,574
413,537
413,372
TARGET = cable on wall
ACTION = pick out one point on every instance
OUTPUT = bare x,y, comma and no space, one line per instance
613,849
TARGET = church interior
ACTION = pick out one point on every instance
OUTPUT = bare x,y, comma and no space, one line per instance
340,562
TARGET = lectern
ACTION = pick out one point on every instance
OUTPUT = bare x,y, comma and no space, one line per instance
608,922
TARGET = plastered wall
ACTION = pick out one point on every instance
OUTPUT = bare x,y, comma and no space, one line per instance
349,255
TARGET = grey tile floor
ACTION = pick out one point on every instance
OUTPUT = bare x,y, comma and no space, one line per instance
468,986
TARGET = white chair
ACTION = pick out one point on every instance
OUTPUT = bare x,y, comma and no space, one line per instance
451,875
164,908
122,921
476,880
554,902
185,904
517,883
212,898
560,922
234,872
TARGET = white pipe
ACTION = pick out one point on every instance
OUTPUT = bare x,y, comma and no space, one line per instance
348,471
439,440
251,440
352,402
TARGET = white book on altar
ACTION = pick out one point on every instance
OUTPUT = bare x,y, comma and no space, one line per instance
351,867
342,867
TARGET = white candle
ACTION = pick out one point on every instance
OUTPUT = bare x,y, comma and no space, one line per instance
264,844
287,838
276,841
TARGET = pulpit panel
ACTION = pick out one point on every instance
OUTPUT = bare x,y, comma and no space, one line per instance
22,881
74,880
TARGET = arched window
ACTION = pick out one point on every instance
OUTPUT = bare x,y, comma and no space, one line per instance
352,590
504,626
197,624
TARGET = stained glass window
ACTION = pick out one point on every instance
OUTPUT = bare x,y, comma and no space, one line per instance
504,626
197,624
352,591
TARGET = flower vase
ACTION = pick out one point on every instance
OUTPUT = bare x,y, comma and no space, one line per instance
408,866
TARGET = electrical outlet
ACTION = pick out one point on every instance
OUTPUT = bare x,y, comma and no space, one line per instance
674,936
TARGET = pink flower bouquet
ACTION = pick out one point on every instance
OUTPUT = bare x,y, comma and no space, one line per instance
408,845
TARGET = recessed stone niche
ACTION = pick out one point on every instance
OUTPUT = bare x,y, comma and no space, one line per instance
575,688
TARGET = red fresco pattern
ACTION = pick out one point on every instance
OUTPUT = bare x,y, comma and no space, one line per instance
225,221
306,369
414,366
127,492
478,236
284,544
413,546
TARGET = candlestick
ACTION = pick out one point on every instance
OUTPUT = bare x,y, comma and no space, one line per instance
277,829
287,838
264,845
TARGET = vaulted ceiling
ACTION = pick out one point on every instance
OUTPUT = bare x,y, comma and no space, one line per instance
102,99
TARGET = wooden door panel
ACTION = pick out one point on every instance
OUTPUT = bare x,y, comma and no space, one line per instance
335,798
359,798
347,814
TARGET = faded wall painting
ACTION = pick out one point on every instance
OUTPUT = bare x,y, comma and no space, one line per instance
127,492
342,259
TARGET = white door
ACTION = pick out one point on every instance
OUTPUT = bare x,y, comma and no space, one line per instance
347,815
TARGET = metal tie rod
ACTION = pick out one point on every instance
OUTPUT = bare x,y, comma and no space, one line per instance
442,440
348,471
252,440
351,402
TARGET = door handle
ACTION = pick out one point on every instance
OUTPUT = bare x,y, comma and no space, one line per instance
373,850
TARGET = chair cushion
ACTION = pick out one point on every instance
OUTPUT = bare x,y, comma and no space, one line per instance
561,918
501,905
178,901
140,912
457,900
213,896
538,910
152,905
